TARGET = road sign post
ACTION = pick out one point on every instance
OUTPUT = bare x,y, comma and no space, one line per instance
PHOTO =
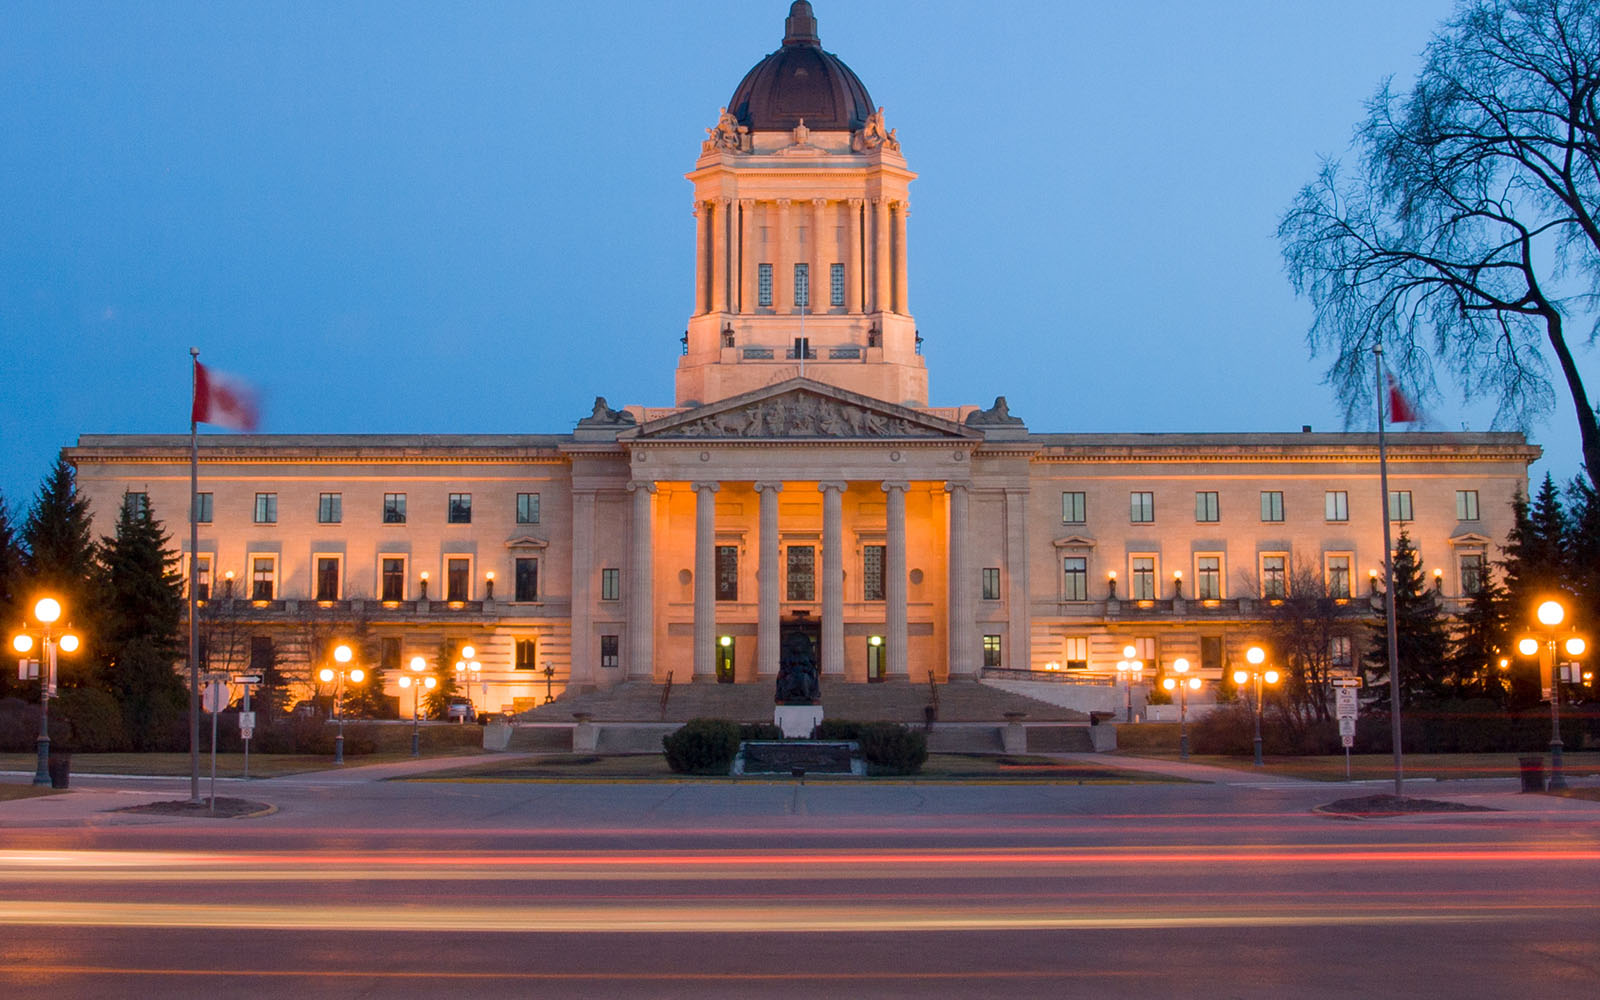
247,718
1344,690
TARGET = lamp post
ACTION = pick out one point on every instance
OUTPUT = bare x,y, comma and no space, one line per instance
341,653
1550,615
1256,656
415,679
467,671
46,611
1130,670
549,678
1183,684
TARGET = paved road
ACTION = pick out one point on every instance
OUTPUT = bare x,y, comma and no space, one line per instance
1231,888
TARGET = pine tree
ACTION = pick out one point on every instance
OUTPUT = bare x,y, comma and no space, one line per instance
1481,641
58,559
1421,632
140,633
10,585
1583,550
1536,553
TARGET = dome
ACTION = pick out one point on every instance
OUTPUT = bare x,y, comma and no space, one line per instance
801,81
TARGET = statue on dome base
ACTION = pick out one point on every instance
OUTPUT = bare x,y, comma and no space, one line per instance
873,136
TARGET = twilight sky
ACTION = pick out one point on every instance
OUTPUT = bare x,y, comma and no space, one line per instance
423,217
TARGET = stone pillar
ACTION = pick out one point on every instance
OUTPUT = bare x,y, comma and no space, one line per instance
880,259
832,653
852,258
769,581
963,657
719,255
894,581
583,665
748,258
705,583
783,264
1016,570
821,296
900,305
702,256
641,590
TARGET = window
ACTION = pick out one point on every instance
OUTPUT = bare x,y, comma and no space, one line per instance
327,578
727,573
526,582
526,655
460,511
611,585
263,577
610,658
1399,505
836,284
1271,505
1144,579
1141,508
802,573
872,578
764,285
262,657
1472,572
389,653
330,508
1339,652
991,651
1206,508
1339,576
137,505
392,570
202,578
202,508
458,579
1466,505
266,508
1274,584
1072,508
1075,578
394,508
802,285
527,508
1336,505
1208,578
1077,652
991,583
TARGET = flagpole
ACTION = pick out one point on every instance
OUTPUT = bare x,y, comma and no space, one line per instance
194,577
1388,577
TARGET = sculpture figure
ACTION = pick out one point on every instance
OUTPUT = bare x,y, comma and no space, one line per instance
798,681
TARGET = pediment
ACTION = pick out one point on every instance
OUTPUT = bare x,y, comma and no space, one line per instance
1074,542
1468,537
800,409
527,542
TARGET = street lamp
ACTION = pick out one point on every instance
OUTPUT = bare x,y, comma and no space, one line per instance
1256,656
1550,615
419,682
46,611
549,678
467,670
342,654
1183,684
1130,670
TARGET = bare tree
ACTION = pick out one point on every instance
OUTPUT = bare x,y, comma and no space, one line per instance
1468,237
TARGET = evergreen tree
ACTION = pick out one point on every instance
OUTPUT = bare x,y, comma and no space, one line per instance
141,627
1536,567
10,585
1583,550
1481,641
1421,632
59,559
436,703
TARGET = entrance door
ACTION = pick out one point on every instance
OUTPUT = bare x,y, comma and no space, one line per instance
725,659
876,659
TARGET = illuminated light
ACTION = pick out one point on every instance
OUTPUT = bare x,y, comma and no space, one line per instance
418,664
1111,575
1177,574
405,682
725,641
1505,664
228,576
69,644
1168,683
1527,645
1256,655
875,640
1240,676
22,643
326,674
1194,683
1437,573
1180,665
1052,665
342,653
424,576
1372,573
489,576
467,652
47,610
1128,652
1271,677
430,683
1549,613
1576,646
358,675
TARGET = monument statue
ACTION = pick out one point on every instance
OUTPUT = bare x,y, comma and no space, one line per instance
798,682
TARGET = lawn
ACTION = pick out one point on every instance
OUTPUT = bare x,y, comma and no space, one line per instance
27,790
229,765
1381,766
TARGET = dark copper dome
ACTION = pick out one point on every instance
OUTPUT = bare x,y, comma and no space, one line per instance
801,81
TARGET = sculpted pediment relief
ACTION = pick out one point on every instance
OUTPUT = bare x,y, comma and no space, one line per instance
804,413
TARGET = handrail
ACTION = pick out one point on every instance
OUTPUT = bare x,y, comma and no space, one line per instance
666,692
1051,676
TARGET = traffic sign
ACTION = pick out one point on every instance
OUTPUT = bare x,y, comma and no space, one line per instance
215,696
1347,726
1348,742
1346,700
247,679
247,721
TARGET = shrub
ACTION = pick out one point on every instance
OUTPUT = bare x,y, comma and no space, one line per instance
19,725
702,746
892,748
760,731
93,720
837,729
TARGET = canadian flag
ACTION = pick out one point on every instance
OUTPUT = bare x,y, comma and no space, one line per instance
224,400
1401,409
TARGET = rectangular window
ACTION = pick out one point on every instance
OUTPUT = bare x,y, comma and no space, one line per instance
202,508
1336,505
836,284
527,508
764,285
1466,505
137,505
1072,508
389,653
202,578
394,508
727,572
1274,579
327,578
872,579
266,508
1472,572
991,651
611,585
330,508
610,657
526,655
263,578
262,657
1075,572
1339,652
1077,652
1144,579
457,579
527,579
1271,505
802,285
991,583
802,573
1208,578
460,509
392,569
1141,507
1399,505
1339,576
1206,508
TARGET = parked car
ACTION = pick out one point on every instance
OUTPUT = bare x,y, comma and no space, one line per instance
460,709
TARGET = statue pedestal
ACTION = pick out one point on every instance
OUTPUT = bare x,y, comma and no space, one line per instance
796,721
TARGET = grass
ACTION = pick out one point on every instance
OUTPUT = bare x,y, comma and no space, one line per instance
229,765
1381,766
9,791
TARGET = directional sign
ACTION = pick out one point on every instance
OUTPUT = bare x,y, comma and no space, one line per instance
247,678
215,696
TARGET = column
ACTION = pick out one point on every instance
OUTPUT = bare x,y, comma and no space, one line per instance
582,669
894,581
641,591
880,259
769,581
702,233
705,583
852,266
783,264
719,255
963,659
832,653
900,210
1016,569
748,258
820,257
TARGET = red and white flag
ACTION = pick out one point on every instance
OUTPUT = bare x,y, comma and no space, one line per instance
224,400
1401,409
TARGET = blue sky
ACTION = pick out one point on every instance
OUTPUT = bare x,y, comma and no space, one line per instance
423,217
